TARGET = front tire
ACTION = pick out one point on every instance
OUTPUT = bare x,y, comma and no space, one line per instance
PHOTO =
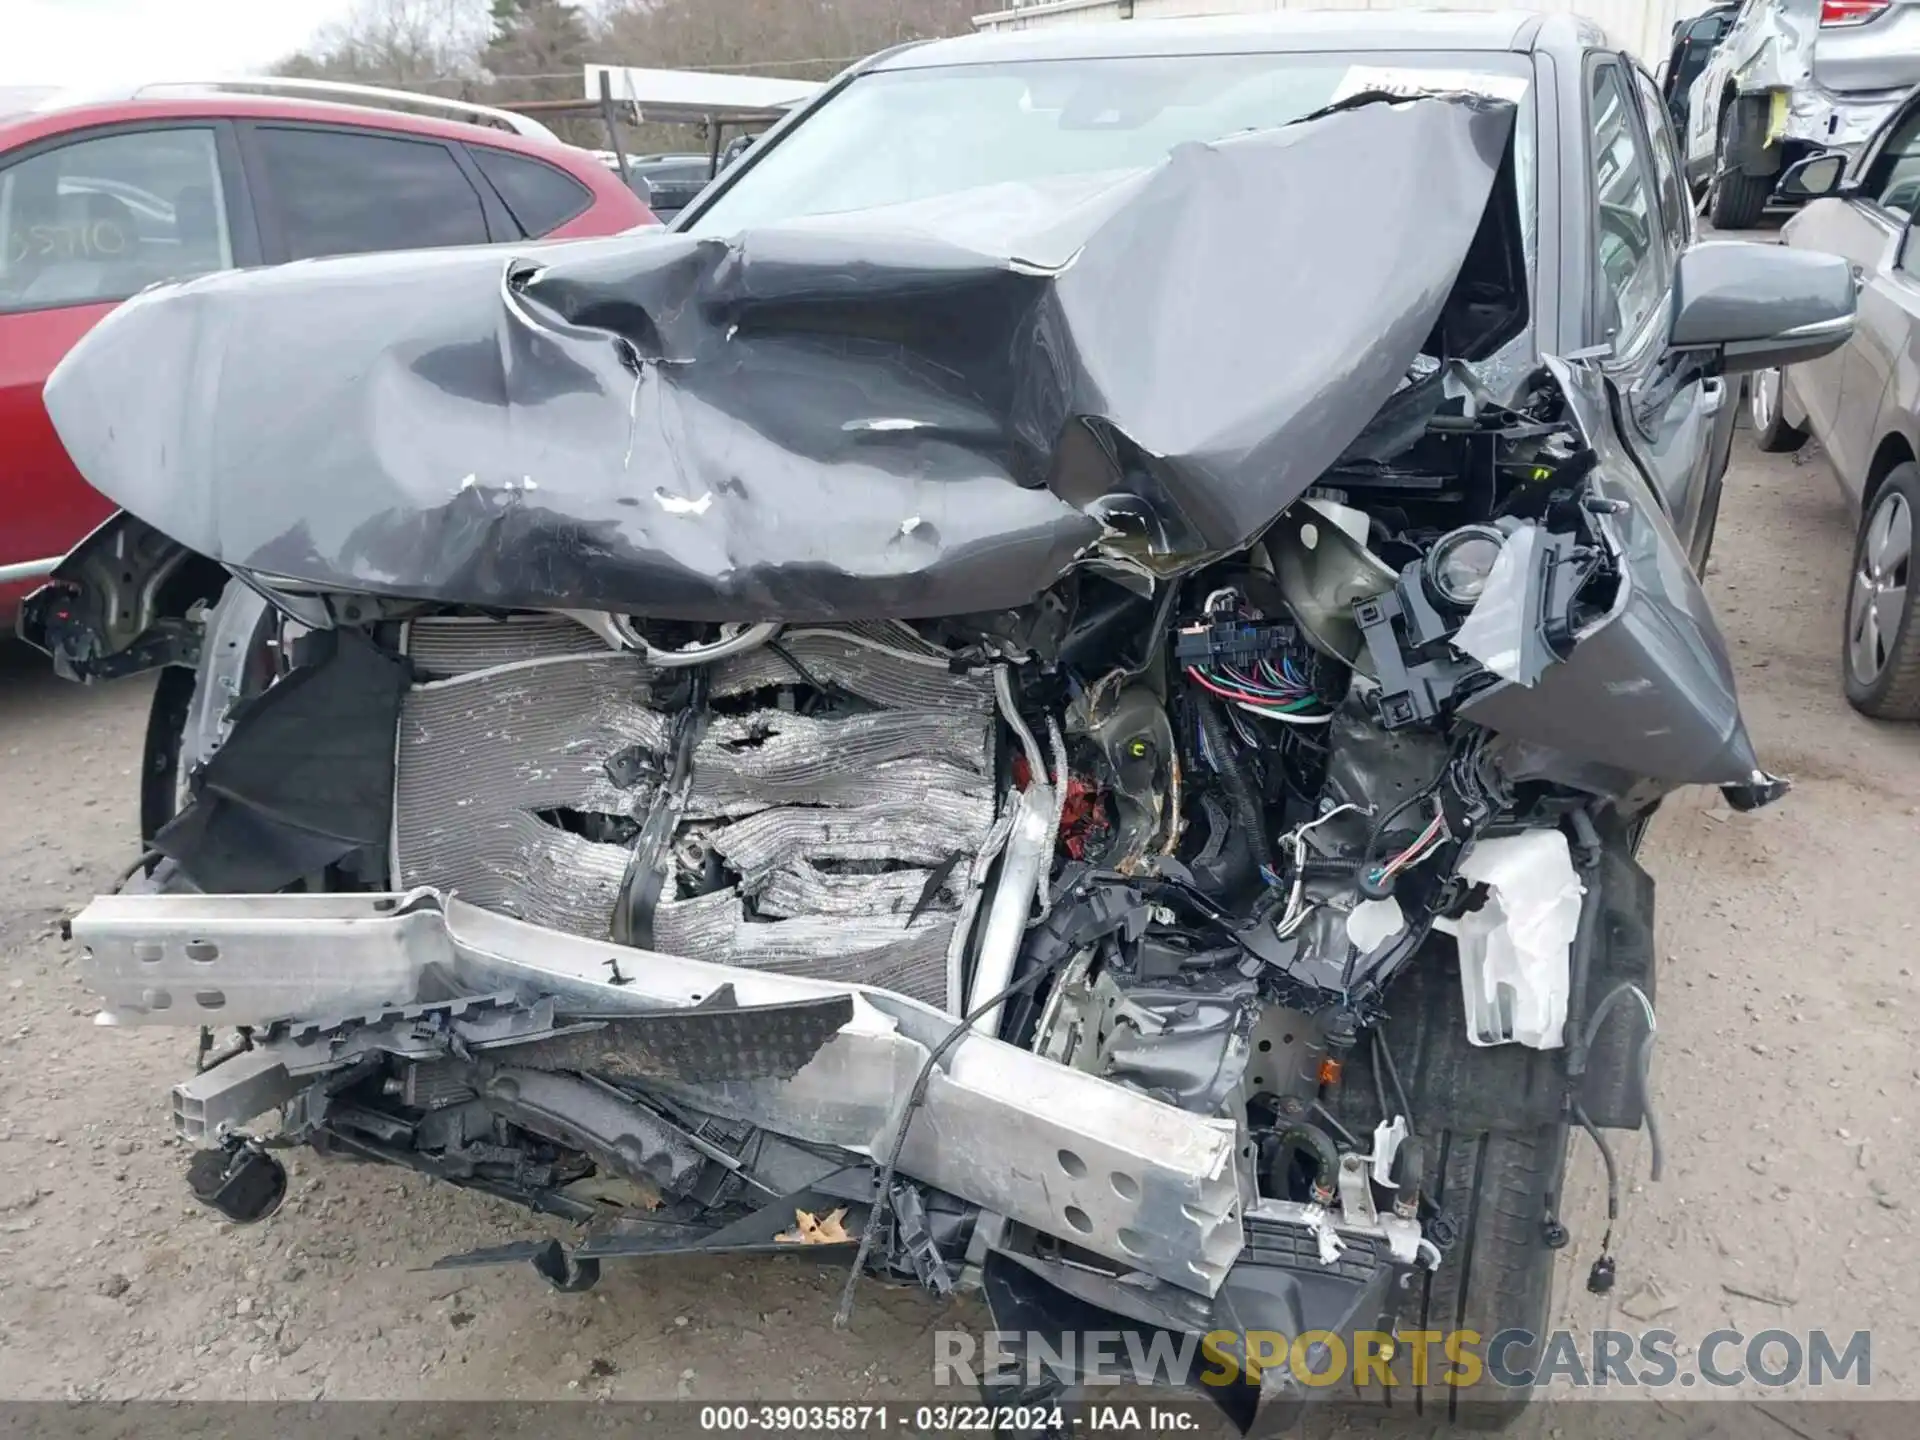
1499,1190
1766,408
1735,199
1880,646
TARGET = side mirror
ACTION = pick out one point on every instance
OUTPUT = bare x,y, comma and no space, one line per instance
1753,306
1814,176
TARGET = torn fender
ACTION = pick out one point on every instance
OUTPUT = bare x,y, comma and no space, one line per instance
909,413
1648,690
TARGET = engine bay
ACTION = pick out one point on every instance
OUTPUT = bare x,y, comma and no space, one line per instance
1170,928
1184,836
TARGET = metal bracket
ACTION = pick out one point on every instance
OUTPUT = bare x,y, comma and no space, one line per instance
1356,1191
229,1094
910,1216
1387,1137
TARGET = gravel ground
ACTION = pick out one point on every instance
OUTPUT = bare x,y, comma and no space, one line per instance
1786,1073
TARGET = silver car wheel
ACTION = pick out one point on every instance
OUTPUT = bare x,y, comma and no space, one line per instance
1878,597
1763,399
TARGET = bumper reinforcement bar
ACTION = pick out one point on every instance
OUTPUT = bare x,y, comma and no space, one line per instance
1071,1154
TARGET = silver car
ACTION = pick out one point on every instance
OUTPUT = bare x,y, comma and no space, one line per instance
1862,402
1793,79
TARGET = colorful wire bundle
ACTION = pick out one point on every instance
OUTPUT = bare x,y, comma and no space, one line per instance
1428,841
1271,692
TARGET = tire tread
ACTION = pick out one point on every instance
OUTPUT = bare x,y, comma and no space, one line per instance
1735,198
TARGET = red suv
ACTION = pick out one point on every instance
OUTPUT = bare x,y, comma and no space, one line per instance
100,200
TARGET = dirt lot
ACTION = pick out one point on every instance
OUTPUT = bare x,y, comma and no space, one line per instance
1786,1071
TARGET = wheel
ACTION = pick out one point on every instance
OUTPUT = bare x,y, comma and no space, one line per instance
1881,664
1499,1238
1734,198
1498,1191
1766,394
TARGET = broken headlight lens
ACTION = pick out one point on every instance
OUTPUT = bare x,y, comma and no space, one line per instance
1460,562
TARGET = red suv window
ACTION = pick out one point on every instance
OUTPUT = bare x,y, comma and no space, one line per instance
540,197
102,217
344,192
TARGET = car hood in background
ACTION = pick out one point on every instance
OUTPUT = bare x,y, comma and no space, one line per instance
926,411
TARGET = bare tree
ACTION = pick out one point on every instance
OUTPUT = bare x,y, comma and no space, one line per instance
807,38
448,44
804,39
536,52
410,44
517,50
537,49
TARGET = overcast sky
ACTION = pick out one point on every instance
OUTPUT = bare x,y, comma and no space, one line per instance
76,42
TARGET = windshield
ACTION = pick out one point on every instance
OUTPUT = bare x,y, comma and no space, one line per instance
898,136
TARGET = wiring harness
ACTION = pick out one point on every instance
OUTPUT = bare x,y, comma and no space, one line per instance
1272,692
1257,667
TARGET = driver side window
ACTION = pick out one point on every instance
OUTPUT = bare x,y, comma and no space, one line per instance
1676,210
1629,240
1893,178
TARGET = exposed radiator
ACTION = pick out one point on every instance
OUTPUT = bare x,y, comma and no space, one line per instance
533,731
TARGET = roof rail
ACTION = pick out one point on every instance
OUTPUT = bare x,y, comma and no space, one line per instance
471,111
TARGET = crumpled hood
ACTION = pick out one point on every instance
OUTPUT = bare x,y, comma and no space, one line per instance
926,411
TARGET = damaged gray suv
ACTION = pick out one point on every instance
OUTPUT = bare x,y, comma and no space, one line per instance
1054,693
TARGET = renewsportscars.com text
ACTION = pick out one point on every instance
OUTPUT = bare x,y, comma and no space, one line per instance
1649,1359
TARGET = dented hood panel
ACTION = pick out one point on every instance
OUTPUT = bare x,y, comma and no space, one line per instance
885,414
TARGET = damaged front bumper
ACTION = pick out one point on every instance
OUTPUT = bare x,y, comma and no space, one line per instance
324,979
1165,1198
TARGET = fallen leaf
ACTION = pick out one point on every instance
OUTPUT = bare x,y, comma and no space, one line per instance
809,1231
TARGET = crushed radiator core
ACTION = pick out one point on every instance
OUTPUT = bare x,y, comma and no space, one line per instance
530,751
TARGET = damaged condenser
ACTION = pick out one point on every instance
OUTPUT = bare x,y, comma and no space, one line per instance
1144,827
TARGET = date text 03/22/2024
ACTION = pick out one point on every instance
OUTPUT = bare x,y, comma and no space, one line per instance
938,1419
879,1419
